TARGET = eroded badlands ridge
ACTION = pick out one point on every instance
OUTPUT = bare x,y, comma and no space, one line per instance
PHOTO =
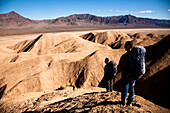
51,61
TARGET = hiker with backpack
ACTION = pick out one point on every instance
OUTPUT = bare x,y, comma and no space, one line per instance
110,72
132,66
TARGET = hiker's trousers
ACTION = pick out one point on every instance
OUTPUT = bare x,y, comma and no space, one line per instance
128,86
110,85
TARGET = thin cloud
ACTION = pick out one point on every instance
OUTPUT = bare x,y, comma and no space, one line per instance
147,11
110,10
98,10
120,11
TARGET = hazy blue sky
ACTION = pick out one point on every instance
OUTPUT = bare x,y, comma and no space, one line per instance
51,9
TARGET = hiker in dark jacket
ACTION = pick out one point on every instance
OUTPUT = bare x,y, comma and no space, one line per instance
128,82
110,71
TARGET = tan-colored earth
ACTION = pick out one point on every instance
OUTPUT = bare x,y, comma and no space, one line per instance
63,72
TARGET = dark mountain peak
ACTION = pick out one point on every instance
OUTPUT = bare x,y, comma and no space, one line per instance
13,18
127,16
13,12
83,16
76,18
130,16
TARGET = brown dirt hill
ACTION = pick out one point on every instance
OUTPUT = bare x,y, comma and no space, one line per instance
114,39
52,61
145,39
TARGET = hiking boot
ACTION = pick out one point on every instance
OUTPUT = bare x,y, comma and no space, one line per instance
123,104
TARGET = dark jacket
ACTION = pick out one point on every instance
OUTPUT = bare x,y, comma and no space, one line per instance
110,70
124,66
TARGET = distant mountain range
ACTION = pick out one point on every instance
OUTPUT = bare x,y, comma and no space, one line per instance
14,19
113,20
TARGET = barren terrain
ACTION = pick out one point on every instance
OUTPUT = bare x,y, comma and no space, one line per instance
64,71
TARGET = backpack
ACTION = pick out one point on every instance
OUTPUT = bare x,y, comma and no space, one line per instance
137,61
111,69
